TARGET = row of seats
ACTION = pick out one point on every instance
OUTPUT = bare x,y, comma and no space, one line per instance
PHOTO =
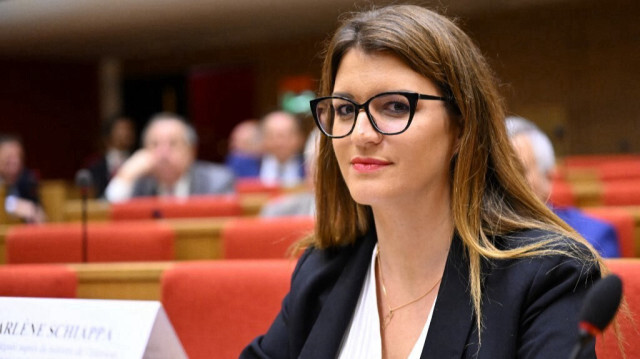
123,240
242,237
588,193
217,307
597,180
56,194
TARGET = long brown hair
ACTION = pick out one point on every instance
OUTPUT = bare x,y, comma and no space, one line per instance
489,194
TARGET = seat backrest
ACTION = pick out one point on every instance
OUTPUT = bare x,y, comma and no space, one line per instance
37,280
218,307
597,160
131,241
619,170
624,224
48,243
261,238
562,194
607,345
621,193
255,185
106,242
192,207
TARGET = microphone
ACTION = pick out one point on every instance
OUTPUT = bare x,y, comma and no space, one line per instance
598,309
84,180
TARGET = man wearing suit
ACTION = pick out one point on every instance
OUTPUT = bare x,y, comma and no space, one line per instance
119,139
538,159
20,185
166,165
283,139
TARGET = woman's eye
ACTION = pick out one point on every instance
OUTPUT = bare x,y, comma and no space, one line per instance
396,107
344,110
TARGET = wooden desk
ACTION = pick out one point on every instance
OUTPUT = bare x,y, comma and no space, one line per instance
53,194
587,194
139,280
196,238
3,247
635,211
99,210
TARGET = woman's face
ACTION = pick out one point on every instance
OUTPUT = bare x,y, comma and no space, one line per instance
381,169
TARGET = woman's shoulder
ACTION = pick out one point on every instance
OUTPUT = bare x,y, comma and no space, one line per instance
546,243
546,256
330,261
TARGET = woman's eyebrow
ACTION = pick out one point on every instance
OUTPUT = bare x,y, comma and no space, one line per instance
342,94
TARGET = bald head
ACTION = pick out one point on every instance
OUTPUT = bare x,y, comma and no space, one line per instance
11,157
246,138
535,151
172,141
282,135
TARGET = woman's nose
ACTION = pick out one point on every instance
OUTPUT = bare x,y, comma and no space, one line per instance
364,132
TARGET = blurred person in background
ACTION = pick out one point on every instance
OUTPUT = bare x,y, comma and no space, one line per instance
283,138
302,203
167,165
20,185
119,139
536,153
245,149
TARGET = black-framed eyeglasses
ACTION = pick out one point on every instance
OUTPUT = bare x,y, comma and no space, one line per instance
390,113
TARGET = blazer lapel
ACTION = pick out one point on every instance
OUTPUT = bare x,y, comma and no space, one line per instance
453,313
333,320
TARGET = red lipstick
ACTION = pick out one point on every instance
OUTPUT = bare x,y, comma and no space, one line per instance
365,164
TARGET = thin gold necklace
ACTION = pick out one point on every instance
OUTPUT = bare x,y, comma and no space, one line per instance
387,318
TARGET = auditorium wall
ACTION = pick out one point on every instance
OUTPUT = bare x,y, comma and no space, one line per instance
54,107
571,66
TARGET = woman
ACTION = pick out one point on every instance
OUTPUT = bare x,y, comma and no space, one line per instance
429,243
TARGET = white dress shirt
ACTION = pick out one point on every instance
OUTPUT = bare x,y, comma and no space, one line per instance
285,174
362,339
120,191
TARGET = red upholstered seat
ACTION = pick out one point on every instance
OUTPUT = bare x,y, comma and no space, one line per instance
619,170
254,185
597,160
562,194
196,206
218,307
37,280
260,238
107,242
607,345
623,222
621,193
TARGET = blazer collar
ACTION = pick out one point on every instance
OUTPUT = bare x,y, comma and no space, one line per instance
325,337
452,315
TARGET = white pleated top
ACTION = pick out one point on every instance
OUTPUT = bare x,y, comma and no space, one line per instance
362,339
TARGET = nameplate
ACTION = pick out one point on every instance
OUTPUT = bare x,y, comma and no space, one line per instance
45,328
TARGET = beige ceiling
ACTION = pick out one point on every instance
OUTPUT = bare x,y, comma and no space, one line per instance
138,28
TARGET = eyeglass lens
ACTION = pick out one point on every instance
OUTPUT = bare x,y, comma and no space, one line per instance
390,112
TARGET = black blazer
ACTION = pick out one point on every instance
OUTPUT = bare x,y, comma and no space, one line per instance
100,176
529,306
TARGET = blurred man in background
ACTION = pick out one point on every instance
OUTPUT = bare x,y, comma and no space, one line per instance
538,159
20,185
283,138
301,203
119,138
167,166
245,149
